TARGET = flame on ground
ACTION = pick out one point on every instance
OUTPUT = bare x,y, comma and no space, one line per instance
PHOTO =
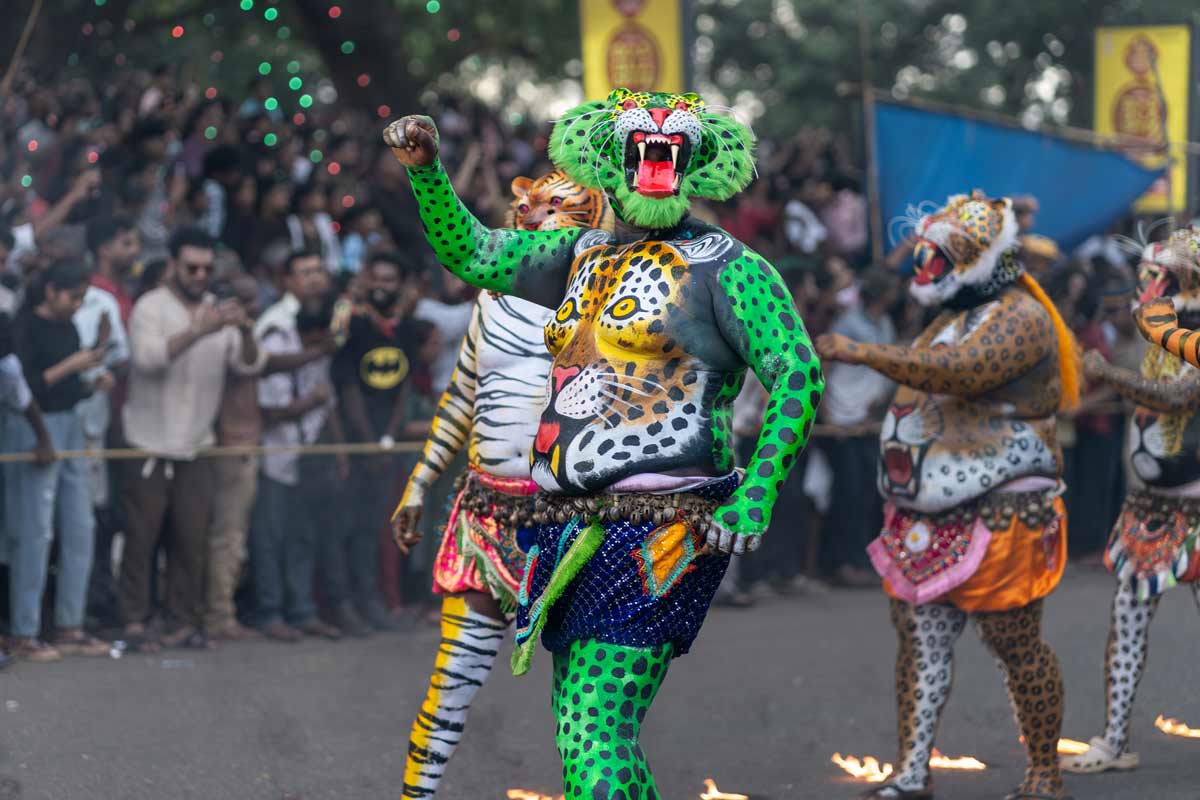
1175,727
871,771
939,761
1071,747
711,792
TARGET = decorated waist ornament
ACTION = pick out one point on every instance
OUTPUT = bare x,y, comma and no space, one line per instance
970,471
651,329
1155,543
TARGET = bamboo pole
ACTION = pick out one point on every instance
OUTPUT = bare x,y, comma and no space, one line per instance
19,50
874,212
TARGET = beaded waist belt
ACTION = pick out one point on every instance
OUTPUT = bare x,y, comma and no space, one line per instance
996,509
507,500
661,509
1146,504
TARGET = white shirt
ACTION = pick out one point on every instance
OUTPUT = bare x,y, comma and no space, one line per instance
94,411
14,391
280,314
173,402
452,322
280,390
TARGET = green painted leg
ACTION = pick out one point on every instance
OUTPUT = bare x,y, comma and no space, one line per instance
601,695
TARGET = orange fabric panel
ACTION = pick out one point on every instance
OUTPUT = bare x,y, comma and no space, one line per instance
1017,569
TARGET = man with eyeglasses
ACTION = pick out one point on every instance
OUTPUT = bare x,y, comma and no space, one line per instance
182,342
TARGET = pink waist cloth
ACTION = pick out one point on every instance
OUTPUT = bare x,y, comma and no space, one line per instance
657,483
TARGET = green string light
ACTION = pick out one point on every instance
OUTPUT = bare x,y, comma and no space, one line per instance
247,5
433,6
210,133
293,67
305,100
100,3
270,14
27,181
316,156
347,47
283,32
264,68
270,140
270,104
295,83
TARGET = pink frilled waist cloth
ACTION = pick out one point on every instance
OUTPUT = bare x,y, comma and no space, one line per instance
996,552
489,529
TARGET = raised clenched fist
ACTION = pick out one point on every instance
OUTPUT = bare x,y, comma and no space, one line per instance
413,139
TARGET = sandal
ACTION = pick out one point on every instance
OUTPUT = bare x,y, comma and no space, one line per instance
1099,757
31,649
889,791
139,640
187,638
79,643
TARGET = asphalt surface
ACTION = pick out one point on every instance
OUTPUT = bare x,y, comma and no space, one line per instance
763,700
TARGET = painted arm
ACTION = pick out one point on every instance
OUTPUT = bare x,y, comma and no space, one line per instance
447,435
1165,397
758,317
1159,324
1014,338
532,265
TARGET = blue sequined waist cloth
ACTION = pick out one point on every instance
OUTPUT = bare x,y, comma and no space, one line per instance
621,569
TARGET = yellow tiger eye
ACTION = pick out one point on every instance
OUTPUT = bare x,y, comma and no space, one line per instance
624,307
565,311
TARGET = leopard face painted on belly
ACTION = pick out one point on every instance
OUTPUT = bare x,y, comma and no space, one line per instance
638,367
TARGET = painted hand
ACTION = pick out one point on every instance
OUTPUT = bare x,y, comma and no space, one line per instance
723,540
1094,365
1156,317
835,347
404,527
413,139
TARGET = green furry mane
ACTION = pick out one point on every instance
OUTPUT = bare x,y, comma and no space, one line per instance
584,145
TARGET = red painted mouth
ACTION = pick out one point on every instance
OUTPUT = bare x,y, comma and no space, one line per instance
655,163
932,263
547,434
899,464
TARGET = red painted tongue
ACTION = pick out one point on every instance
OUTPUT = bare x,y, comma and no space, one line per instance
656,178
1153,291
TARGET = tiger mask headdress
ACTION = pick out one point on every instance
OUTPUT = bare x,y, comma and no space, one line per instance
1171,268
651,152
554,201
970,244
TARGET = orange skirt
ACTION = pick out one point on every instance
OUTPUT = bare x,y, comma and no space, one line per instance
1021,564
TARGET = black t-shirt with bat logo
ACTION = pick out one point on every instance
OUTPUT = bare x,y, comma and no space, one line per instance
378,357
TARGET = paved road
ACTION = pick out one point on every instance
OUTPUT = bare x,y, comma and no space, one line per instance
763,700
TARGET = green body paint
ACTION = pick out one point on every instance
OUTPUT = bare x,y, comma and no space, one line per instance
602,693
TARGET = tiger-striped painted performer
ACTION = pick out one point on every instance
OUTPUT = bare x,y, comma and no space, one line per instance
491,406
653,329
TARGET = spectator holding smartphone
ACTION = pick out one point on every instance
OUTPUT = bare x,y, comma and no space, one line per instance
61,375
182,343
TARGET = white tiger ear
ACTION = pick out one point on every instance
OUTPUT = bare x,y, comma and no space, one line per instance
709,247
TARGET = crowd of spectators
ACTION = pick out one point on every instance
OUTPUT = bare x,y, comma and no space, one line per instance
180,272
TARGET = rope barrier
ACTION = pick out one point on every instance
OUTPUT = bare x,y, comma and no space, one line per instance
376,449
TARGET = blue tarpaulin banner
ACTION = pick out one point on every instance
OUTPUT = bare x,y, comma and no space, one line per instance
928,155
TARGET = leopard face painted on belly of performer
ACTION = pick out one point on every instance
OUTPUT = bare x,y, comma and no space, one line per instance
652,330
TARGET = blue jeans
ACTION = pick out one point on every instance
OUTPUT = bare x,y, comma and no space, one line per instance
35,498
282,549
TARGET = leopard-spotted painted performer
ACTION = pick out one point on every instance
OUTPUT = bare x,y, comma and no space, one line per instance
969,466
491,406
1154,543
653,328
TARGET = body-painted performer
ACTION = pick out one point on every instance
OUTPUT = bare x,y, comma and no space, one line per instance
1154,543
491,406
652,331
969,467
1158,318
